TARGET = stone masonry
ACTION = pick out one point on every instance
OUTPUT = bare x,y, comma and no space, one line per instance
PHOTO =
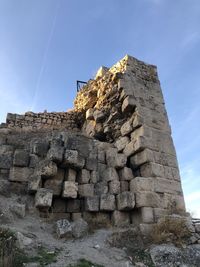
111,158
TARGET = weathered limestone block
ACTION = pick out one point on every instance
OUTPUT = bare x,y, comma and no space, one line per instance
110,174
92,204
120,218
129,104
39,147
121,143
148,199
89,114
126,174
19,209
55,183
138,121
126,128
174,203
6,156
147,215
34,183
167,186
141,158
124,186
134,146
21,158
72,158
71,175
101,170
55,153
126,201
43,198
99,116
59,205
46,168
97,219
152,169
91,163
94,177
80,228
101,188
107,202
70,189
146,228
73,205
101,155
20,174
114,187
63,229
86,190
114,159
140,184
84,176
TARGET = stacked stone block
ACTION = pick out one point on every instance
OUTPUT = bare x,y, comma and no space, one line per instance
120,168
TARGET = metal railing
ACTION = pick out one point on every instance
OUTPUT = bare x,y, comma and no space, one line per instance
79,85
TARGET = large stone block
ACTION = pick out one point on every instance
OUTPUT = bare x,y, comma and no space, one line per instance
59,205
34,183
120,218
137,121
55,183
124,186
70,189
114,187
174,203
63,229
121,143
141,157
43,198
20,174
126,174
6,156
73,205
167,186
33,160
148,199
99,116
129,104
114,159
126,128
110,174
152,169
89,114
101,188
107,202
46,168
84,176
94,177
126,201
71,175
72,158
159,213
97,219
140,184
135,146
39,147
92,204
21,158
147,215
86,190
55,153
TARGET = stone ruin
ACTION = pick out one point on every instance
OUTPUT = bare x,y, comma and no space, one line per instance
110,160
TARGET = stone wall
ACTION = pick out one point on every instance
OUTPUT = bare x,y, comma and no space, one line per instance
121,168
46,120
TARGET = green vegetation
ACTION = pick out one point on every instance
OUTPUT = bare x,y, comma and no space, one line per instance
43,257
85,263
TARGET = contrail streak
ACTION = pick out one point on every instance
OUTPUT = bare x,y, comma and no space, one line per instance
44,59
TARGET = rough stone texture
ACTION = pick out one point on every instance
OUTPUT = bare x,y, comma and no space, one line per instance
112,153
70,189
125,201
63,229
107,202
80,228
120,218
43,198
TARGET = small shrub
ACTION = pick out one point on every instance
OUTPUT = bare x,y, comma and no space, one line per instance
171,229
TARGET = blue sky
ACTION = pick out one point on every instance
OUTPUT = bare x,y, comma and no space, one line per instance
45,46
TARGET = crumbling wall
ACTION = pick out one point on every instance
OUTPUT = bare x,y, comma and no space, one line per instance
121,167
46,120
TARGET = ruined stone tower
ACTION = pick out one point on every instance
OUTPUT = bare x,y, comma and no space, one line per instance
110,159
